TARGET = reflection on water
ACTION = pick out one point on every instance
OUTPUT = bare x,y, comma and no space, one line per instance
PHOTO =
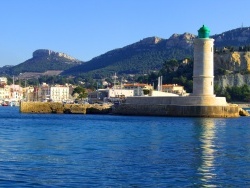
206,135
54,150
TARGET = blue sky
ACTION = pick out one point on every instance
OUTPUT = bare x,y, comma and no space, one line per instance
85,29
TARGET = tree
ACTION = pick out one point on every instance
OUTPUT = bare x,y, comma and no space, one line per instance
170,65
80,92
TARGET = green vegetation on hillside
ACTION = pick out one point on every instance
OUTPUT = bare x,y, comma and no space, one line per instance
138,58
41,64
234,93
173,72
80,92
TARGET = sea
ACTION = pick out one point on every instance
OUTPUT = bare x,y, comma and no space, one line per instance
75,150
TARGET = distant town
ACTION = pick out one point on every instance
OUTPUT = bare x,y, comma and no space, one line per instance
13,94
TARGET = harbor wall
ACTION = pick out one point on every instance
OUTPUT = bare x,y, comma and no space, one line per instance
60,108
134,109
186,106
177,110
179,100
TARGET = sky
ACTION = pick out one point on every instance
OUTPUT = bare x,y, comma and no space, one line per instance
85,29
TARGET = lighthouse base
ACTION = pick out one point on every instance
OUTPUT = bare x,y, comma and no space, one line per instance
192,106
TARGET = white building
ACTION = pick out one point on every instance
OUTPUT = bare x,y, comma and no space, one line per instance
137,88
10,93
59,93
203,72
3,80
110,94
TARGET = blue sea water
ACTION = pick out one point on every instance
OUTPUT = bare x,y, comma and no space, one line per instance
63,150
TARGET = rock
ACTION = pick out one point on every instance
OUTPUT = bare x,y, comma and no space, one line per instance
232,61
181,40
45,52
59,108
243,112
233,80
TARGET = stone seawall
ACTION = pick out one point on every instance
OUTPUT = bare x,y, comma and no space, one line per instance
177,111
179,101
59,108
134,109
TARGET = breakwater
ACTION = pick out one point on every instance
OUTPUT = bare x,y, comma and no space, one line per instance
177,110
134,109
60,108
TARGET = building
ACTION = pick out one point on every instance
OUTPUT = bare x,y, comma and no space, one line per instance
28,93
59,93
4,92
138,88
16,93
44,93
109,94
173,88
56,93
10,93
3,80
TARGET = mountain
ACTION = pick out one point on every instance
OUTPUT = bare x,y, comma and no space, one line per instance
141,57
43,60
236,37
150,53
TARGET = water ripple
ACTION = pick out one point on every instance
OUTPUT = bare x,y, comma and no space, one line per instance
53,150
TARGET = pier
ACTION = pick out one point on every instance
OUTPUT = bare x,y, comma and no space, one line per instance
60,108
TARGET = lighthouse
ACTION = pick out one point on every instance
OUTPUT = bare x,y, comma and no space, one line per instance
203,71
201,103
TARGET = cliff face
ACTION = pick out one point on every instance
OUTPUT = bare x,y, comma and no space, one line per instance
184,40
232,61
45,60
232,80
45,52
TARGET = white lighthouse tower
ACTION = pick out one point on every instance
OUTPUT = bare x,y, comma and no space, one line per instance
203,72
201,103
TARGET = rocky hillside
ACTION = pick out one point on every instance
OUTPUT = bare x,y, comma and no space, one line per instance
233,61
232,80
235,37
235,67
144,56
149,54
43,60
141,57
55,55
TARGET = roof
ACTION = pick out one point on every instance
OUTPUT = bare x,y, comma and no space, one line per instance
171,85
136,84
203,32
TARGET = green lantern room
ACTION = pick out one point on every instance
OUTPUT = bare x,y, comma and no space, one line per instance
203,32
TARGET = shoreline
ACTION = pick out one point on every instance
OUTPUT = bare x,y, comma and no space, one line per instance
233,110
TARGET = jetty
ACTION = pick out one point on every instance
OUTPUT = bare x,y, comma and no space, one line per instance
60,108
